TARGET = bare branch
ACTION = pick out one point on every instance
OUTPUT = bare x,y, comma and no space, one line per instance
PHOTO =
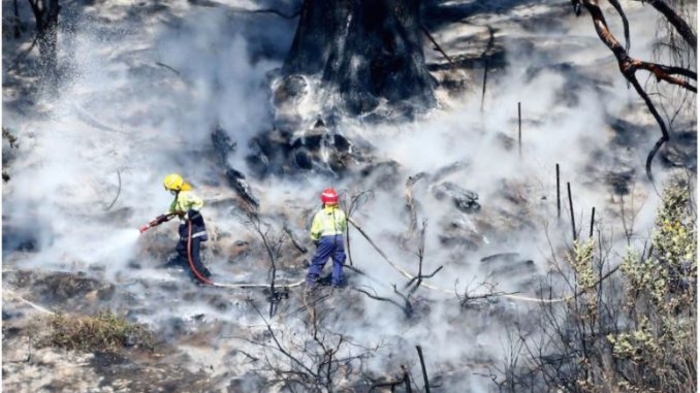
279,346
437,46
356,201
421,253
272,251
681,26
490,292
24,54
408,308
294,239
625,22
176,72
629,66
409,200
407,312
664,131
119,190
393,384
214,4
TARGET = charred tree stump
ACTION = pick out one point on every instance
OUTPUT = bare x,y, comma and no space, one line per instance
365,50
46,17
224,147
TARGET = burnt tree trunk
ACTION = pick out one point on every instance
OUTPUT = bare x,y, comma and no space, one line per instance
46,17
365,50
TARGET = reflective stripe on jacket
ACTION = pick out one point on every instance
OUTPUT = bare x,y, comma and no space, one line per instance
327,222
185,201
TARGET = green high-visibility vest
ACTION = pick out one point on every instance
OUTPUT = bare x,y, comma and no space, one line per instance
327,222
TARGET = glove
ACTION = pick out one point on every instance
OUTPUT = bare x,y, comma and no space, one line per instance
159,220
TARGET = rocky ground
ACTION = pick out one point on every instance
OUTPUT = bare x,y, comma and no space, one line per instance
261,145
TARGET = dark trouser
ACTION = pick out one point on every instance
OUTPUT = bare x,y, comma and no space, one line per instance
195,246
328,246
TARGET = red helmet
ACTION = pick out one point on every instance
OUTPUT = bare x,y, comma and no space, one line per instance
329,196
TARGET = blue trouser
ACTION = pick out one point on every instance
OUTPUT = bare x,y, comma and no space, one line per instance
328,247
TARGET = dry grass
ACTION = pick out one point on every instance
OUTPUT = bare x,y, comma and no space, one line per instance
104,332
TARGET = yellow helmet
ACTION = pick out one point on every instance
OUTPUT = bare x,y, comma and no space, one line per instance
173,182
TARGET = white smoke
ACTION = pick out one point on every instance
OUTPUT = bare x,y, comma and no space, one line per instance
123,113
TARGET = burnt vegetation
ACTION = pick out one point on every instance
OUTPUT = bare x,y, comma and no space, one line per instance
628,332
629,322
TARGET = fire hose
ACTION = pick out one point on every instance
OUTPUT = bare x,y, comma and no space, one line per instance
205,280
197,274
406,274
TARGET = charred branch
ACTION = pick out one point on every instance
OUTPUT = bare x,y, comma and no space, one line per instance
357,200
295,240
409,200
119,190
406,301
629,66
214,4
437,46
489,47
490,292
448,170
625,22
665,136
405,380
682,27
421,253
272,246
176,72
422,366
407,309
24,54
279,346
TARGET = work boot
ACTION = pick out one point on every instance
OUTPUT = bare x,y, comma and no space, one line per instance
309,288
205,273
175,262
328,291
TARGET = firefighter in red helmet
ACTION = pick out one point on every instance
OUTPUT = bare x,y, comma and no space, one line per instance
327,233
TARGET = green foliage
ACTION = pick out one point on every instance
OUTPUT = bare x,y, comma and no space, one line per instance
637,334
660,299
104,332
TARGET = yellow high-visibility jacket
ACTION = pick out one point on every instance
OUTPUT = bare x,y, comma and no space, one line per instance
185,201
327,222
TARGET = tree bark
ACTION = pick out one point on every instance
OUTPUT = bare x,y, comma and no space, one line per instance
367,51
46,17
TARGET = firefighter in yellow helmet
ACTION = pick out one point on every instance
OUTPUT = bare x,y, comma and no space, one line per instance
327,233
187,206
